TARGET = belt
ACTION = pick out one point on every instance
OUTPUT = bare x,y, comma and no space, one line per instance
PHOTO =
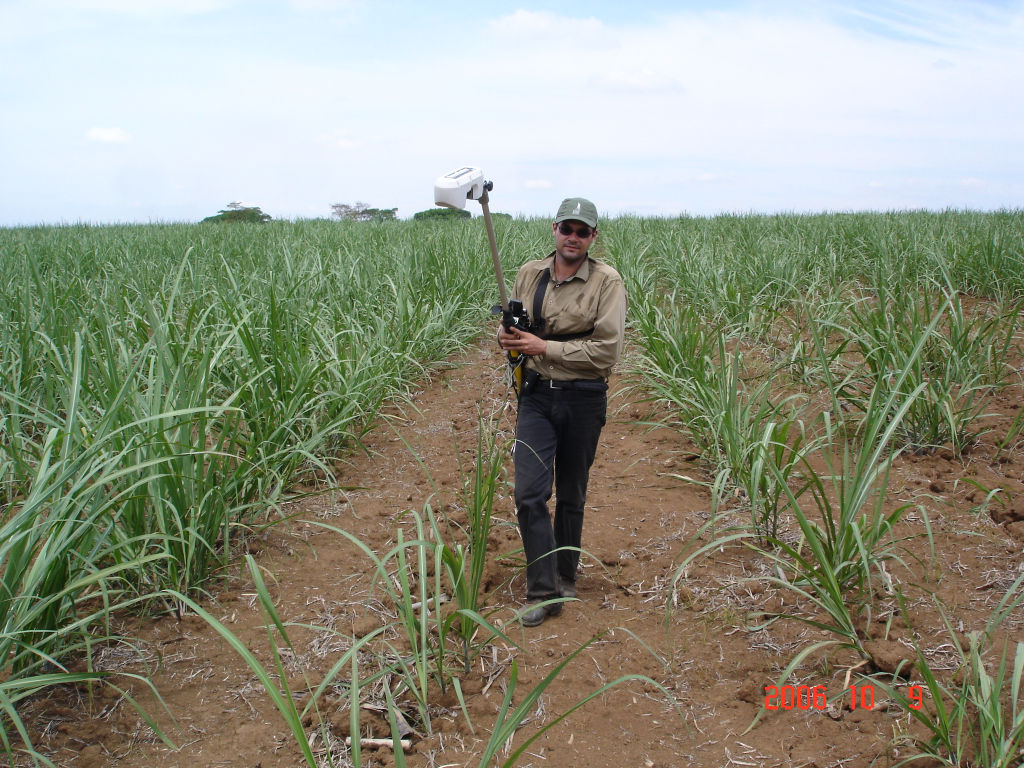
599,385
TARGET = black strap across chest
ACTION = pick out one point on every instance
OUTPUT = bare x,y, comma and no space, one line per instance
538,296
538,305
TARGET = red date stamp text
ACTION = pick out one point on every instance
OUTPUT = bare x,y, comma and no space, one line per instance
806,697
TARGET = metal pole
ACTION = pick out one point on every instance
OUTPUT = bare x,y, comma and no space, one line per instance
494,250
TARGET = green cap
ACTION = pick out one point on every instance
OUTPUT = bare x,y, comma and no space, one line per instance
577,209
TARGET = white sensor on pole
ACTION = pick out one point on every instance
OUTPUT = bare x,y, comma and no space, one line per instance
467,183
453,189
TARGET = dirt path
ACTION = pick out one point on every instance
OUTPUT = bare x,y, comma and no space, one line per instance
705,653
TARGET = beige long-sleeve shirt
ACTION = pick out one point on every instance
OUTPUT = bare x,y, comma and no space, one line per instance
592,298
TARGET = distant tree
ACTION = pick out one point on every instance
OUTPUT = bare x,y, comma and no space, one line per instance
362,212
239,212
441,214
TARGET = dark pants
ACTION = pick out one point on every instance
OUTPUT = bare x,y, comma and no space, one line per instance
556,440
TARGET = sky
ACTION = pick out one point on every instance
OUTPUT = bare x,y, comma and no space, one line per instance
168,110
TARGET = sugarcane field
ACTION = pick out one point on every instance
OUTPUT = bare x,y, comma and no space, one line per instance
256,498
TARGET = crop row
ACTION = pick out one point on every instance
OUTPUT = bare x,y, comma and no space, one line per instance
804,356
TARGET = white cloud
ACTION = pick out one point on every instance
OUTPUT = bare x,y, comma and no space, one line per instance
102,135
537,184
337,140
642,79
543,23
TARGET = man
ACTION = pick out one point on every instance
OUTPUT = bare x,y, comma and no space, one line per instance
563,401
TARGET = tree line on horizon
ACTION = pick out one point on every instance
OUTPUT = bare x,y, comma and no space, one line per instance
237,212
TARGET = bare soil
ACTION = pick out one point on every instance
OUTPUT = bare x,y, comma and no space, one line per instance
704,642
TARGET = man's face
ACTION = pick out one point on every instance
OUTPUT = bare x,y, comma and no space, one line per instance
569,241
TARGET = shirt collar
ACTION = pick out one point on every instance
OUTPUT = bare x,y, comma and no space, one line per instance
583,273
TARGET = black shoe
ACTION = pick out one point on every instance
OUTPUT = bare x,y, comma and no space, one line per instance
536,615
567,588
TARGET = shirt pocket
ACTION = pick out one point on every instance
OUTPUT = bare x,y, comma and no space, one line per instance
567,320
570,312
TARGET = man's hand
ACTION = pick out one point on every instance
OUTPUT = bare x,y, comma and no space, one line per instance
515,340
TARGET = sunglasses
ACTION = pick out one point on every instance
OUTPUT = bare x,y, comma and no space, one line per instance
581,232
